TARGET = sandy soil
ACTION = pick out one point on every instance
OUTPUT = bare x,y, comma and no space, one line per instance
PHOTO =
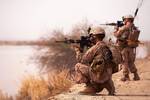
131,90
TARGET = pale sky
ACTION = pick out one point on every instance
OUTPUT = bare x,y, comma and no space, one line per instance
29,19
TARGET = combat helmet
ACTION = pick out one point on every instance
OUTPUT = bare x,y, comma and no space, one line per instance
127,16
97,30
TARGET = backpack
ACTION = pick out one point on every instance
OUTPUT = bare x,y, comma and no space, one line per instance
117,57
116,53
133,37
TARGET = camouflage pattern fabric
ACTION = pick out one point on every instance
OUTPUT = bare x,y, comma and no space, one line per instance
78,53
127,36
92,73
117,57
128,55
81,73
128,52
116,52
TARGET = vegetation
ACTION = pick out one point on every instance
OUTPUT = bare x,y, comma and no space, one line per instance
57,54
4,96
54,59
40,88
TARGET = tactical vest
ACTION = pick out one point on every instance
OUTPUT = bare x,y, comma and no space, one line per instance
133,37
122,40
129,38
100,60
100,63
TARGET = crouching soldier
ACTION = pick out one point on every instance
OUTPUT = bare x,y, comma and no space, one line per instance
96,66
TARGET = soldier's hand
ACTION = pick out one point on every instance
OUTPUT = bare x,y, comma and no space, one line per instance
78,52
76,48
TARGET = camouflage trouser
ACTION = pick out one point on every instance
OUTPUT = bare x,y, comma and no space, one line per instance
128,55
83,75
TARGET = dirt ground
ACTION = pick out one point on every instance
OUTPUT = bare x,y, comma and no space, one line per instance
131,90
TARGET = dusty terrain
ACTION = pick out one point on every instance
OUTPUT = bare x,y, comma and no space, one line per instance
131,90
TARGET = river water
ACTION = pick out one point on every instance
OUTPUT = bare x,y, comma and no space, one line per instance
14,65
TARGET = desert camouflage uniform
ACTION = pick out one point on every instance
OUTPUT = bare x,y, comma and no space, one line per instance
85,75
128,53
79,54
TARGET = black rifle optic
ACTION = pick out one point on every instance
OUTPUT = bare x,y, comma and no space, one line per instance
84,41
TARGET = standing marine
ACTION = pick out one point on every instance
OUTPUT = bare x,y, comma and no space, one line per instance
95,67
127,40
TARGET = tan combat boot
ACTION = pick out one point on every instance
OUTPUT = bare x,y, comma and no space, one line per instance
125,78
136,77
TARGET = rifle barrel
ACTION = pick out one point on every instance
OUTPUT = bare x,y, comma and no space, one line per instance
110,24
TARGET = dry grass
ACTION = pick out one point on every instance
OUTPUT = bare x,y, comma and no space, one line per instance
33,88
59,81
38,88
4,96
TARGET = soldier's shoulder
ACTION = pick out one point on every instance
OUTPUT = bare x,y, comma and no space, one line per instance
93,48
101,44
98,46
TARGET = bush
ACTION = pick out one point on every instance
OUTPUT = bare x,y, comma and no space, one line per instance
41,88
59,81
55,54
4,96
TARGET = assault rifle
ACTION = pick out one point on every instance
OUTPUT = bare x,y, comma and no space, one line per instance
118,24
84,41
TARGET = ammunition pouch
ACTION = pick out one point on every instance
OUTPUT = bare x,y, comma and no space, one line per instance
132,40
98,65
133,44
